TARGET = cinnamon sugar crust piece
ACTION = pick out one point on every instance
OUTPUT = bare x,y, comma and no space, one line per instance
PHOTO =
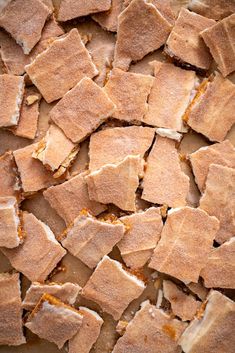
216,9
90,239
219,153
165,8
9,222
54,321
11,332
218,199
8,177
109,19
185,244
70,9
106,287
183,305
116,184
214,331
82,110
132,42
60,67
11,96
12,55
39,253
163,184
33,175
220,40
212,112
71,197
219,271
56,151
141,237
24,20
111,146
129,92
66,292
29,113
149,323
185,44
169,96
89,332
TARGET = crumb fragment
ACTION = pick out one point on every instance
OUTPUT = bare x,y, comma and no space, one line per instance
70,9
185,44
54,78
220,40
111,146
24,20
141,237
40,252
216,9
33,175
116,184
88,333
132,42
66,292
54,321
11,332
212,111
90,239
10,227
219,153
149,323
183,305
161,184
185,244
105,287
11,96
218,199
56,151
71,197
82,110
169,96
129,92
214,332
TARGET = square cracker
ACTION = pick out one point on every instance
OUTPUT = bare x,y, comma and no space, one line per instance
211,112
11,96
82,110
111,146
106,287
24,20
116,184
90,239
132,42
11,330
170,96
129,92
40,252
143,230
60,67
33,174
185,44
218,199
220,40
214,331
54,321
151,330
70,9
71,197
9,222
161,184
185,244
